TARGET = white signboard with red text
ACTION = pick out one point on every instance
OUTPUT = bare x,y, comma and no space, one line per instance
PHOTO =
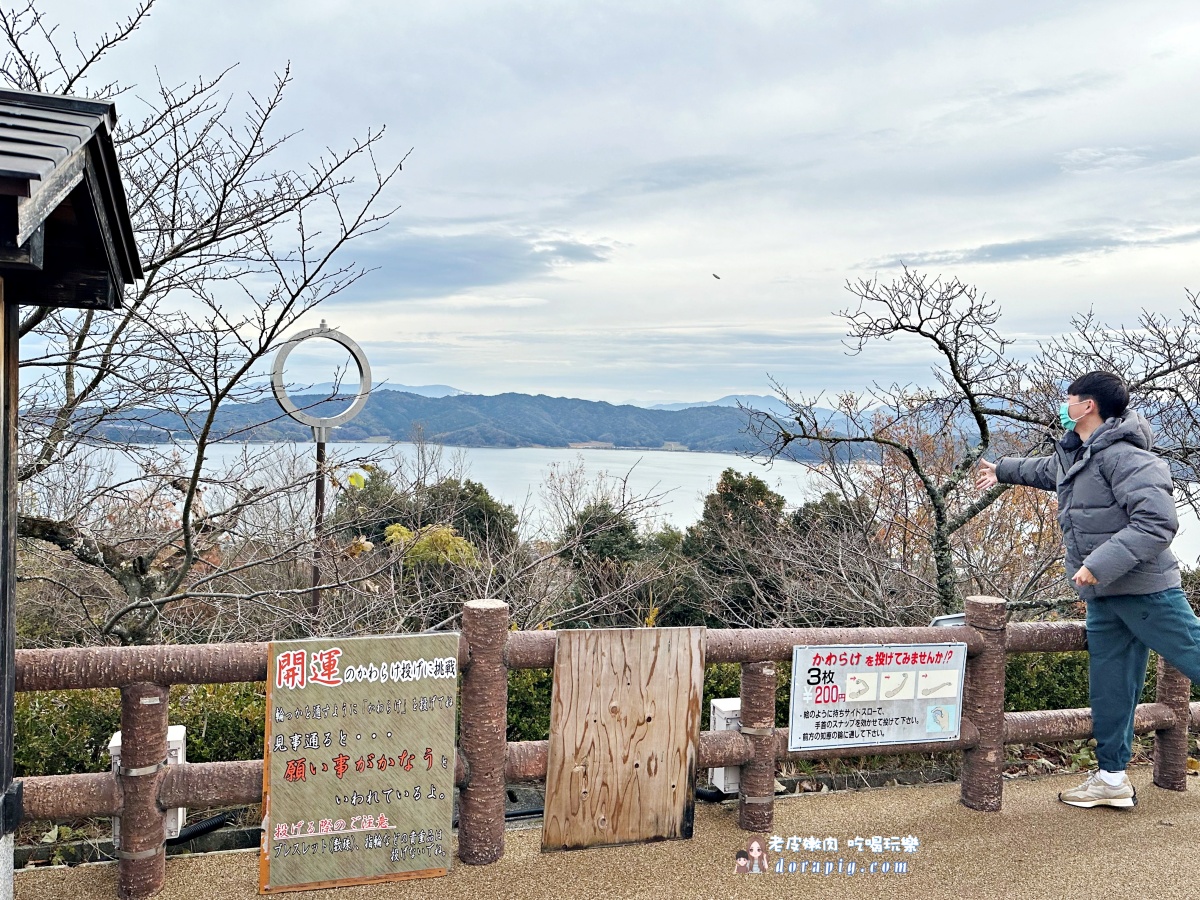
855,696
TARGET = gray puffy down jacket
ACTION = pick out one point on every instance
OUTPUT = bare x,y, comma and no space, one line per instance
1114,506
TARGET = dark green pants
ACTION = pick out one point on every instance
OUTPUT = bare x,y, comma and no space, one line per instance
1122,631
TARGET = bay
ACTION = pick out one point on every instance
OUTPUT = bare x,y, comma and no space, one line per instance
679,480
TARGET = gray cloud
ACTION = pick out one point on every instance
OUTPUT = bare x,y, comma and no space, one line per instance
430,265
683,174
1070,86
1110,159
1053,247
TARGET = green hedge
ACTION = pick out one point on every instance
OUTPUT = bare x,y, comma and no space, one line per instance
1045,681
1060,681
529,704
224,721
65,732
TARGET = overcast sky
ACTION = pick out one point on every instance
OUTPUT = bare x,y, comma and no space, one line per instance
582,170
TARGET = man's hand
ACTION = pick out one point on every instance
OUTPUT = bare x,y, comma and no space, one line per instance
1083,577
985,478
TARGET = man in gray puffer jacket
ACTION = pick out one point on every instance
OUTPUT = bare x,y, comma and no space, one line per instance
1118,520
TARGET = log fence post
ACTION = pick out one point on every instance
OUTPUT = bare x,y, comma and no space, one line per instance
982,784
142,856
483,733
1171,744
756,798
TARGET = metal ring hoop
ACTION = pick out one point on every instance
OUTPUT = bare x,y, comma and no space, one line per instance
364,378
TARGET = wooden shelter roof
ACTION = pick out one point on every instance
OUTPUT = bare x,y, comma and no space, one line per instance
65,232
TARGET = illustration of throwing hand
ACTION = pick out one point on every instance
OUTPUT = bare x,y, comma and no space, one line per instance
898,688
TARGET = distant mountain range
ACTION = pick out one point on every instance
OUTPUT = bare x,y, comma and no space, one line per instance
471,420
421,390
762,402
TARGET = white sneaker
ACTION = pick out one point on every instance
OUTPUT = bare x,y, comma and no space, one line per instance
1097,792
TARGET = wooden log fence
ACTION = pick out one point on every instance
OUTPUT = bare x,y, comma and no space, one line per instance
983,706
145,786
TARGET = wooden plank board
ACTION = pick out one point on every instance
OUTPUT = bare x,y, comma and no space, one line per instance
624,736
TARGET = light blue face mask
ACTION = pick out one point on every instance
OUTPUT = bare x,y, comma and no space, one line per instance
1064,415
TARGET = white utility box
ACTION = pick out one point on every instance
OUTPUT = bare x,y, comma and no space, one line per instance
725,715
176,753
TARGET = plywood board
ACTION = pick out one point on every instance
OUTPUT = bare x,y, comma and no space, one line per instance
624,736
358,773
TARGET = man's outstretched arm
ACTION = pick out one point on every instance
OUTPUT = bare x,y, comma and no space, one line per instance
1031,471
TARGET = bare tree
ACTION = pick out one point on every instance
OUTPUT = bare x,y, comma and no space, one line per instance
981,398
1159,358
236,248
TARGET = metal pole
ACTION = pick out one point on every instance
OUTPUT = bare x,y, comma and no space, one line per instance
319,528
320,426
11,794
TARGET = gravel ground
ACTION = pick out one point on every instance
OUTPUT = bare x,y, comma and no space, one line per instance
1035,849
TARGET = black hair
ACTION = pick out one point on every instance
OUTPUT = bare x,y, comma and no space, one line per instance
1108,390
741,854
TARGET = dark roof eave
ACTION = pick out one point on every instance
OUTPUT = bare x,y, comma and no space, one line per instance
51,116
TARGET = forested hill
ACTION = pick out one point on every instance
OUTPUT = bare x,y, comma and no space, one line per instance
472,420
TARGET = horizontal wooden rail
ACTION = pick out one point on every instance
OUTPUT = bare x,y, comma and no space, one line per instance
535,649
1045,637
530,650
54,797
79,668
109,667
527,760
201,785
1076,724
741,645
